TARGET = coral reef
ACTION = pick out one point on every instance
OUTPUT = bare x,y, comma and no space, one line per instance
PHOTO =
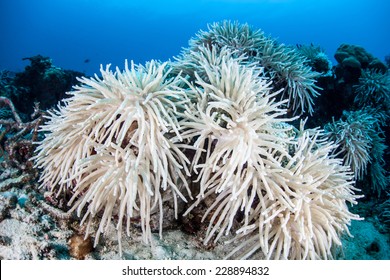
359,92
352,86
17,143
41,82
353,58
120,148
210,150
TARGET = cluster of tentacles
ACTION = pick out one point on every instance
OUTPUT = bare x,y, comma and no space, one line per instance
129,141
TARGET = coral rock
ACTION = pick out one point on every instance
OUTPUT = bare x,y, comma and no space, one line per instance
79,246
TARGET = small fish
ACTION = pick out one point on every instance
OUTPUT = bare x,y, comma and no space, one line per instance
87,60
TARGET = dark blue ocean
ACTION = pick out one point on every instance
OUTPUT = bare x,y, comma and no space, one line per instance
82,34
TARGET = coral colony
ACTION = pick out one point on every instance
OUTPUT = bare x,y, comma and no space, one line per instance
220,129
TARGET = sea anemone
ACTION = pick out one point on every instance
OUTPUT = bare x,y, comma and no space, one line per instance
318,186
285,66
120,144
113,146
361,144
290,72
191,62
316,58
380,178
374,90
239,142
384,215
353,139
233,35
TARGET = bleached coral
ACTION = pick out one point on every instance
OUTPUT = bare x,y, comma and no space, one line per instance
111,144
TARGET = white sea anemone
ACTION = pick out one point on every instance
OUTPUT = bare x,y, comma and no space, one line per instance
111,144
319,187
238,141
191,62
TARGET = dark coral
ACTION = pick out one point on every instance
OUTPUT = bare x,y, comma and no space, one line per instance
352,61
40,82
357,57
339,90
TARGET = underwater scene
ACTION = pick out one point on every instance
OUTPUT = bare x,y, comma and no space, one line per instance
211,129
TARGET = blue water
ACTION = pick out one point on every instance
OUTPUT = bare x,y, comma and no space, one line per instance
82,34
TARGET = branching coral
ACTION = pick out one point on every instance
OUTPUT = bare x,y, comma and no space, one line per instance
111,144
